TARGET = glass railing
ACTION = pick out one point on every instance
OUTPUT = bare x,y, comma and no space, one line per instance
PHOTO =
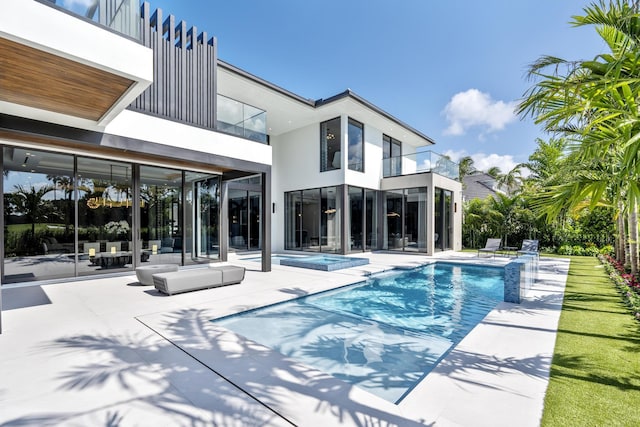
122,16
241,119
424,161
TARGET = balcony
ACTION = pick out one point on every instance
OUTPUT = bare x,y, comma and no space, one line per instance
122,16
240,119
422,162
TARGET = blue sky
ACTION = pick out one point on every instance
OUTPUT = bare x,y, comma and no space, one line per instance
453,70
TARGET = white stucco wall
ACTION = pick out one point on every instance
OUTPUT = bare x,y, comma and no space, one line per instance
154,129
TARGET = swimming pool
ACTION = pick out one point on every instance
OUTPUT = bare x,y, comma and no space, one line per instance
383,335
316,262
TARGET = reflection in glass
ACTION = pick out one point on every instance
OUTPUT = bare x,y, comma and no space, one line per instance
38,215
330,220
203,198
161,215
443,216
371,220
241,119
356,146
104,215
310,232
293,220
393,208
415,235
355,218
330,141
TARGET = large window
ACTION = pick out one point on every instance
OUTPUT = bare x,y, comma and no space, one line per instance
105,205
392,155
362,219
161,215
68,216
39,215
443,210
330,142
356,146
406,225
312,219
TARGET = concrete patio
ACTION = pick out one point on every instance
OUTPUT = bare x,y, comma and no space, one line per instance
106,352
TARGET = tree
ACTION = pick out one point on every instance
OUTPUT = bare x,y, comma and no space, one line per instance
465,168
30,202
593,104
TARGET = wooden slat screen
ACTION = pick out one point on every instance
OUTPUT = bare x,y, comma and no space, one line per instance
184,71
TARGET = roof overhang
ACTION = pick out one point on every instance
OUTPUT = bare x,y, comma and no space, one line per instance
287,111
59,68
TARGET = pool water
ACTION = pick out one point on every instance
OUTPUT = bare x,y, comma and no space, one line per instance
316,262
383,335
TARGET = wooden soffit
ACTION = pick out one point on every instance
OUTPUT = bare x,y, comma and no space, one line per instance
38,79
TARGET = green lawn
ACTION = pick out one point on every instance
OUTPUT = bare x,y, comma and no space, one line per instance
595,373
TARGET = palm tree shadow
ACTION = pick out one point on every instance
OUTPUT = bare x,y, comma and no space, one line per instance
148,374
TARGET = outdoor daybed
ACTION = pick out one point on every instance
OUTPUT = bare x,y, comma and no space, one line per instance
194,279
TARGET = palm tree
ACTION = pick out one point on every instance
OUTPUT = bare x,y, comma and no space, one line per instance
29,201
495,172
511,180
465,168
594,104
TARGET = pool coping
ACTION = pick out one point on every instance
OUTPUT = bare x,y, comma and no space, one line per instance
498,373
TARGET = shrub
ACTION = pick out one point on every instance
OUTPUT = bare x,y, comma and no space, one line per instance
565,250
591,251
606,250
578,250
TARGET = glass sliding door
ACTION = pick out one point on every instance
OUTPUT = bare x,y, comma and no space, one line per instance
443,219
255,224
293,220
355,219
330,220
39,215
161,222
238,220
371,220
406,219
395,214
203,206
310,233
104,216
415,235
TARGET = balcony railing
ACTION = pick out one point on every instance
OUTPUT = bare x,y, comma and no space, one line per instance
241,119
425,161
122,16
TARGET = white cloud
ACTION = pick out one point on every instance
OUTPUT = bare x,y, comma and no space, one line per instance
473,108
484,162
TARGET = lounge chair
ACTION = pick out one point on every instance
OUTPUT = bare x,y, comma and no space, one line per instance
529,247
492,246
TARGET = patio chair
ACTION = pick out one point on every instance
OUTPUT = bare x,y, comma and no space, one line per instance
492,246
529,247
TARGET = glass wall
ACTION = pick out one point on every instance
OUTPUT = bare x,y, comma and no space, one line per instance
443,211
244,219
362,219
39,215
203,208
392,153
161,220
312,220
406,225
68,216
395,214
356,146
241,119
105,202
330,142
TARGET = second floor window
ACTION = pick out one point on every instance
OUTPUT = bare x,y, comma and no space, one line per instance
330,142
356,146
391,153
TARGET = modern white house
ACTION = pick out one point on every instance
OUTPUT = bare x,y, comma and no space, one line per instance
126,141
